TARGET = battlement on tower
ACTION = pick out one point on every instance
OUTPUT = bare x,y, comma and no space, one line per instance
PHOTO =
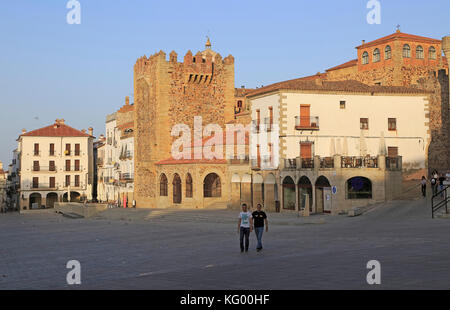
198,68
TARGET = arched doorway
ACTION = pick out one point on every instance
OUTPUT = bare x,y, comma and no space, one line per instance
176,183
35,201
288,193
74,197
305,191
51,199
212,186
359,188
323,195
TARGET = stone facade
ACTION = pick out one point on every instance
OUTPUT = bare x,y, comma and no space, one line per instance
168,92
423,71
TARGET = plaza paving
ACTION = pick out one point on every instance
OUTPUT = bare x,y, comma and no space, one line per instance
183,249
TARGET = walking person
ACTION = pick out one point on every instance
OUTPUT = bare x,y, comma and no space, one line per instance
245,224
442,179
424,186
433,182
260,220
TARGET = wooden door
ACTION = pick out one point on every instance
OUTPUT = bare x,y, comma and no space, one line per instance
305,150
305,120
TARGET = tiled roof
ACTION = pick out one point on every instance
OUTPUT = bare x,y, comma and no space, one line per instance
241,92
400,35
347,64
324,85
126,108
55,130
126,125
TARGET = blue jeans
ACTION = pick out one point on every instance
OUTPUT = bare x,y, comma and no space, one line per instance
259,233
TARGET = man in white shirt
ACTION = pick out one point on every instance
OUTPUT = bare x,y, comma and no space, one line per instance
245,226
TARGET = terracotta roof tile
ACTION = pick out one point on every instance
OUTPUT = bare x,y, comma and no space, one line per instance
399,35
347,64
55,130
126,108
324,85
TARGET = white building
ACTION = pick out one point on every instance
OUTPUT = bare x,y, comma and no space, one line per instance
339,144
116,174
3,189
348,118
54,161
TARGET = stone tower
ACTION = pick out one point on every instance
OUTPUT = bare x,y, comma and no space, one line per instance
168,92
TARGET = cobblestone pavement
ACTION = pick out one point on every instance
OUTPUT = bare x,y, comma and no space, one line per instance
160,249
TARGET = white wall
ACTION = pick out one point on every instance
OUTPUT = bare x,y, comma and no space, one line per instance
411,136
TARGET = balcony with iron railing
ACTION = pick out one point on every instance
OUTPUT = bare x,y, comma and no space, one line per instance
256,124
73,185
73,168
43,168
326,162
268,123
346,162
44,186
307,123
127,177
359,162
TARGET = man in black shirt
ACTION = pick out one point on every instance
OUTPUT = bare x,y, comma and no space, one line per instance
259,220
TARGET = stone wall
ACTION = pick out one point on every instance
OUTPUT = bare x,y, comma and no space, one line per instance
167,93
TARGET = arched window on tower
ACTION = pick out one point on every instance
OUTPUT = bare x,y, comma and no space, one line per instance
365,58
406,51
163,185
419,52
387,52
432,53
376,55
189,186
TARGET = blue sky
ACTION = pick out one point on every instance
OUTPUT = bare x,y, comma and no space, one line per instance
50,69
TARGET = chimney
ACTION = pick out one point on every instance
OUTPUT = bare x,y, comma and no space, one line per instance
363,42
127,100
1,165
24,131
91,131
83,130
61,121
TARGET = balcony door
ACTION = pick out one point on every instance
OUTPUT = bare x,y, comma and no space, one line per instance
306,150
305,120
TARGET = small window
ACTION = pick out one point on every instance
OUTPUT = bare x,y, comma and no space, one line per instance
378,83
392,124
419,52
342,105
432,53
376,55
387,52
364,123
406,51
365,58
239,103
